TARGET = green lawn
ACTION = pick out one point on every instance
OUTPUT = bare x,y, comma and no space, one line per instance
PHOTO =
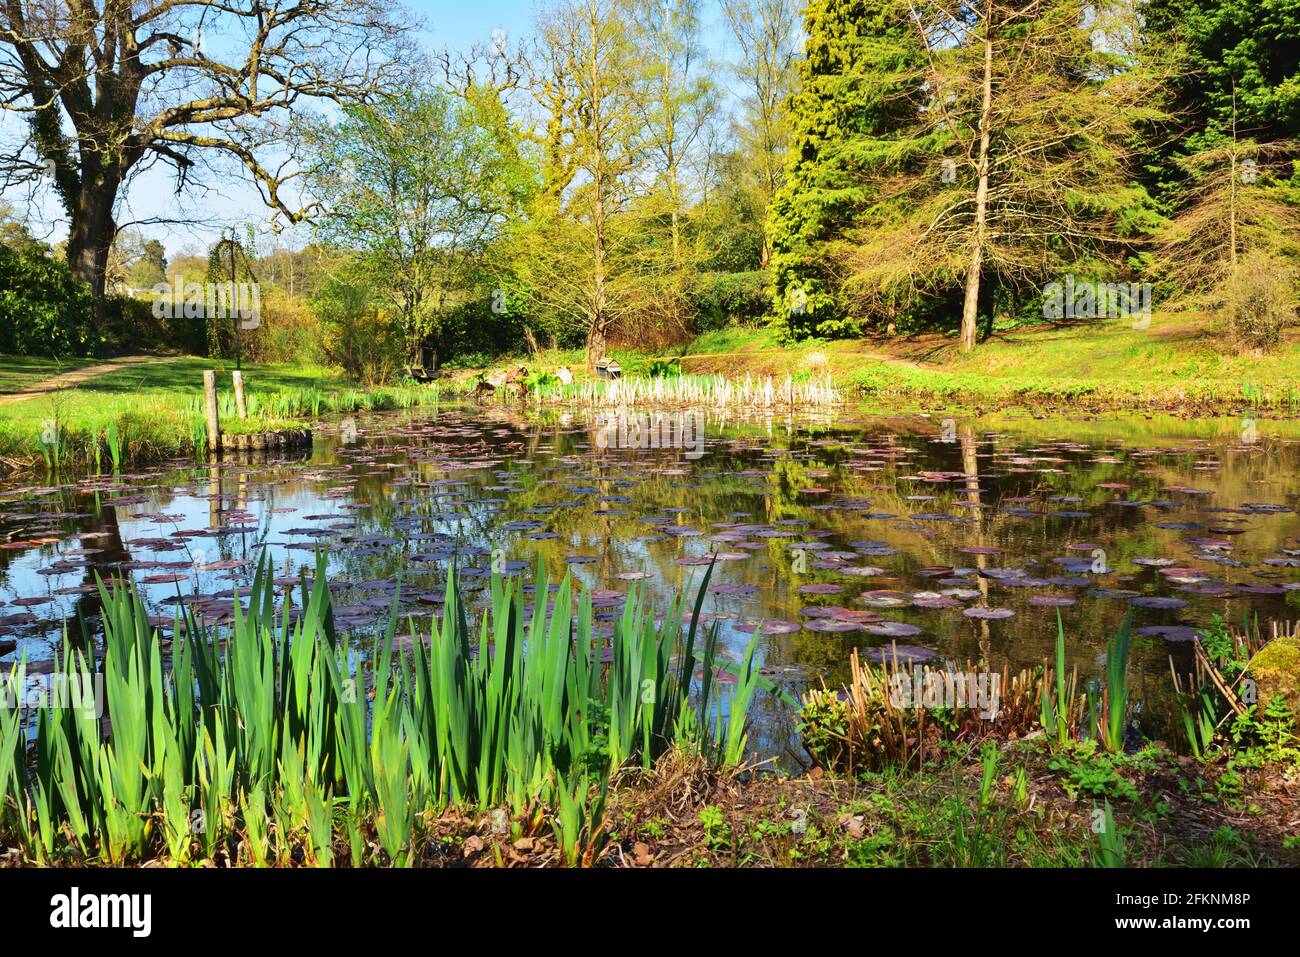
155,409
18,373
175,382
1176,364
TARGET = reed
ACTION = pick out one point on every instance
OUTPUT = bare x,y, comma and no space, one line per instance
694,390
1113,714
274,714
113,440
1061,704
1110,840
870,725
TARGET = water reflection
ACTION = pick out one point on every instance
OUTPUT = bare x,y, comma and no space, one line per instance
963,540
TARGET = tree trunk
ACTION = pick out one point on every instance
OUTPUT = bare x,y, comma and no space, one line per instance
598,320
91,237
595,343
970,307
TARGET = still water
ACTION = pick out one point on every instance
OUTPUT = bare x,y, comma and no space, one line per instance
952,538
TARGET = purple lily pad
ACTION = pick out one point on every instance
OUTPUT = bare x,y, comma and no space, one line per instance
894,629
1157,601
820,588
983,612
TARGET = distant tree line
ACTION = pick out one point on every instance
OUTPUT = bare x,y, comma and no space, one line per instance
856,167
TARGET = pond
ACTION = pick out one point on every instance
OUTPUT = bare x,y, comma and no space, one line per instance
949,538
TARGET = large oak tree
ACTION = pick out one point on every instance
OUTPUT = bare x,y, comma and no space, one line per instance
109,87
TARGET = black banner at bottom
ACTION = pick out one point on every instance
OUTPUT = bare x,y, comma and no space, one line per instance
145,906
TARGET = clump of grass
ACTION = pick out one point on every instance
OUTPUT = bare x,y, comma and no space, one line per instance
870,725
270,741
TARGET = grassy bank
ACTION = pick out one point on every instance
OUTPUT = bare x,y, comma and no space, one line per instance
1183,366
153,411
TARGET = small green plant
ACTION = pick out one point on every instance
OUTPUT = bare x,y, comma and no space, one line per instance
989,763
114,441
1115,709
50,439
1060,707
1265,738
1224,848
1200,719
540,379
1110,841
663,368
717,834
1087,769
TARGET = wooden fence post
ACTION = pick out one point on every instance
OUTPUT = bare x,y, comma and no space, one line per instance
237,379
210,402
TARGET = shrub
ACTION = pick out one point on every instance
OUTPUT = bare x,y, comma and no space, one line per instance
289,332
360,338
46,311
729,298
1260,301
129,324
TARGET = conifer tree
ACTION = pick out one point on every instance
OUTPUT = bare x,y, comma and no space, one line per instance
1019,162
857,79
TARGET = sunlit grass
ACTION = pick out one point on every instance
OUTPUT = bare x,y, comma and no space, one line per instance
155,410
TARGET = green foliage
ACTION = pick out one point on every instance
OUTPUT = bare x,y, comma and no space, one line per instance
722,299
229,260
1110,841
418,185
1242,61
1115,717
717,833
46,312
358,336
1086,769
854,92
1058,704
540,379
663,368
824,727
1265,737
276,709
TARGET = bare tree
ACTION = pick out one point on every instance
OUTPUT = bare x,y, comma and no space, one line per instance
112,86
768,34
577,250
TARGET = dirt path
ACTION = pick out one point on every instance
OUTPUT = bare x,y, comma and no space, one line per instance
77,376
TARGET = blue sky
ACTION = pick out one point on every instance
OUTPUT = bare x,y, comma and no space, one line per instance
219,203
459,24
